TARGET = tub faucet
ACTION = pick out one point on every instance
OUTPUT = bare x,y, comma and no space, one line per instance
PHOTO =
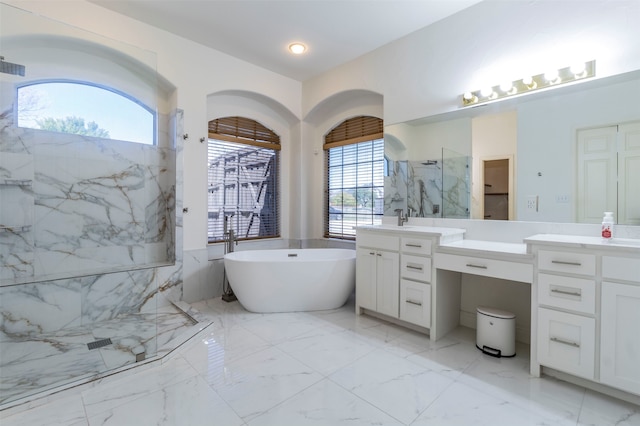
401,218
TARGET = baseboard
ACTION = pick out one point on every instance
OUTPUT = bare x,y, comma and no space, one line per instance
594,386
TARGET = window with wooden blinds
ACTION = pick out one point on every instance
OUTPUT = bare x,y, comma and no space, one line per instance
355,176
243,179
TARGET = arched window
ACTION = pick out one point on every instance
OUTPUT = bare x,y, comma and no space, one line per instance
84,109
355,176
244,173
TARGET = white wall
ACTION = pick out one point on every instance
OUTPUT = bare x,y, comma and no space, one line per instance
546,144
425,73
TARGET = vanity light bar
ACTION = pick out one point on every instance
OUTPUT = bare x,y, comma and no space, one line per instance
531,84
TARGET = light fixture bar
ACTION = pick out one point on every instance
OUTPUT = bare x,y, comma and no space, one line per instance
530,84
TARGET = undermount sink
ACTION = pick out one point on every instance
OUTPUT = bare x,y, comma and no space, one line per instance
394,226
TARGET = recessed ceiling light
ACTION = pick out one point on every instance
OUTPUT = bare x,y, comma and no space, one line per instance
297,48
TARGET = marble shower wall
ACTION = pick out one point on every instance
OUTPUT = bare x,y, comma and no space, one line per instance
430,188
89,228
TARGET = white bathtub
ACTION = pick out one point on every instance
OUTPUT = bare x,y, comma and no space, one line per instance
291,280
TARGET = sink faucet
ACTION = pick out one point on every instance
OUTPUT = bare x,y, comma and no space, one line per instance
401,218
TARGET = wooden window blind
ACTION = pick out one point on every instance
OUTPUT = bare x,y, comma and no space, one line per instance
355,176
243,179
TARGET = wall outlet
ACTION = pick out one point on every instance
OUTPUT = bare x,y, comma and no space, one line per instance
532,202
562,198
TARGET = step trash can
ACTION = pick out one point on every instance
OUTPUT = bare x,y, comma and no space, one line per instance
496,332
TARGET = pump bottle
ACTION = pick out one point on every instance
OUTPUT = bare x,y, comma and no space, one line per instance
607,226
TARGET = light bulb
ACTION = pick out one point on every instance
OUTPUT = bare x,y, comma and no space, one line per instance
551,76
469,98
578,69
528,81
297,48
487,92
506,87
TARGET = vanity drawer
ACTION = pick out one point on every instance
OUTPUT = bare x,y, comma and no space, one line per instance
568,262
621,268
415,267
574,294
513,271
375,240
415,303
415,245
567,342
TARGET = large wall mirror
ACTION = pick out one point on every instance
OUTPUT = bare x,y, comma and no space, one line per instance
564,155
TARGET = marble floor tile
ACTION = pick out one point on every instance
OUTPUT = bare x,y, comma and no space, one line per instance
598,409
399,387
217,347
324,404
462,405
327,351
258,382
318,368
130,387
277,328
509,379
68,411
190,402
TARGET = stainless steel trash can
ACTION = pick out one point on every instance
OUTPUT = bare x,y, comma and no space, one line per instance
496,332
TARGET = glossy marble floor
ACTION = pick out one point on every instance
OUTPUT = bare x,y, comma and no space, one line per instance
324,368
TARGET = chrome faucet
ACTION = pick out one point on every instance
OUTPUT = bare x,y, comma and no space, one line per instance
401,218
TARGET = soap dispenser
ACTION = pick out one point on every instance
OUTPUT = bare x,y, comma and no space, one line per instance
607,226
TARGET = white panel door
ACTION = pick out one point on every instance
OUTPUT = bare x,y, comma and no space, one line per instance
629,172
596,174
620,337
388,287
366,279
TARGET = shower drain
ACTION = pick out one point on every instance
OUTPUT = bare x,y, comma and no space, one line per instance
99,343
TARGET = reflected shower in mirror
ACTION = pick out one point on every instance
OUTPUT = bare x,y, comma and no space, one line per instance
437,187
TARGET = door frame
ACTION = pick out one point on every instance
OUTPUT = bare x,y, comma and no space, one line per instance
511,183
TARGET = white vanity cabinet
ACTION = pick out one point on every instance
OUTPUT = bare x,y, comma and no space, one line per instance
377,272
586,309
620,322
566,311
415,279
395,275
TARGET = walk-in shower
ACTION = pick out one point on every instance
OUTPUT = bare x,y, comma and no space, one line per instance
88,263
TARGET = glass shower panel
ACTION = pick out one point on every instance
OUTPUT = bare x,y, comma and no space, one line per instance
84,220
456,185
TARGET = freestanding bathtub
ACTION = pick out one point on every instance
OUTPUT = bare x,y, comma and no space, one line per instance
291,280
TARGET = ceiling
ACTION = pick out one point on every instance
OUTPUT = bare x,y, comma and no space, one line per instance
259,31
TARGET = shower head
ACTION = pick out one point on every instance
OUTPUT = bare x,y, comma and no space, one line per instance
10,68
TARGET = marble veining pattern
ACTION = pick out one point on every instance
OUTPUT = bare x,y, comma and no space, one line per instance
77,212
42,361
430,188
73,204
324,368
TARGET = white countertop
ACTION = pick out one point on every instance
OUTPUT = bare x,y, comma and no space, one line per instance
492,246
585,242
412,229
